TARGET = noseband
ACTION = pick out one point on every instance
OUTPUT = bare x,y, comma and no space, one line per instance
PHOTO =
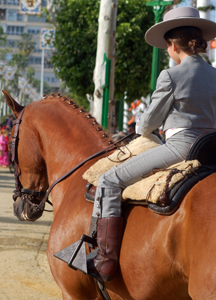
31,197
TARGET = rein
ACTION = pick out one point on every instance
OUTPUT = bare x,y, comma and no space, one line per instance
30,196
71,171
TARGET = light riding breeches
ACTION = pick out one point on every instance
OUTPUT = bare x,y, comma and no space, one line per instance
111,184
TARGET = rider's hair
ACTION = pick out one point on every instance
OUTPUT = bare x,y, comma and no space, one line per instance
187,38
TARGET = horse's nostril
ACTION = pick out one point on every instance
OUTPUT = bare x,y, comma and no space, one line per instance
18,208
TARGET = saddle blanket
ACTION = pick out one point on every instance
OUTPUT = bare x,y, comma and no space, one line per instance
151,187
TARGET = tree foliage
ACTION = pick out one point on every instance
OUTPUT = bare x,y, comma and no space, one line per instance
133,54
76,45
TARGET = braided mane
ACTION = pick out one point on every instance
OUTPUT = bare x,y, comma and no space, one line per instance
82,111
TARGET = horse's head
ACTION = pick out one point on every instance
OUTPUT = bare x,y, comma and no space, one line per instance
30,169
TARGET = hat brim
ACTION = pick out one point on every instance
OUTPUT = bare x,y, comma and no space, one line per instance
155,35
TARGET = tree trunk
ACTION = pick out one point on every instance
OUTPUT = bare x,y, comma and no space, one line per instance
104,45
206,14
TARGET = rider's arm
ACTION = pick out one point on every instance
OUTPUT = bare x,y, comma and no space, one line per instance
162,100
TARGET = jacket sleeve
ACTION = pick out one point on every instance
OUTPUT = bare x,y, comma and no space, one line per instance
162,100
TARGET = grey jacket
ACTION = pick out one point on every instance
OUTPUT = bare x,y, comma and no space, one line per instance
185,97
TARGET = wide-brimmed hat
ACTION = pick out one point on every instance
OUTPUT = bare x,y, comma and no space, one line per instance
177,17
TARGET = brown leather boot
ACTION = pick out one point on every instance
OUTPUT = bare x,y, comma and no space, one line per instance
103,267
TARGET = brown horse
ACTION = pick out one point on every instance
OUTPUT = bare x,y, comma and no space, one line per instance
162,257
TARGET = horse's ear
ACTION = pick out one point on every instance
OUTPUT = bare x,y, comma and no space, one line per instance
14,106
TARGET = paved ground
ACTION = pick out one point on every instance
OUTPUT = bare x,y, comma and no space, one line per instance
24,269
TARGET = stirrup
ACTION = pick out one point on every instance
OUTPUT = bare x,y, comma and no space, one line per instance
75,257
75,254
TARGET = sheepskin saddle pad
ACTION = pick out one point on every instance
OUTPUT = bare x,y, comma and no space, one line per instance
135,147
153,188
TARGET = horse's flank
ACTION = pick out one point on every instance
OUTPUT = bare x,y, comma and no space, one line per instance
162,257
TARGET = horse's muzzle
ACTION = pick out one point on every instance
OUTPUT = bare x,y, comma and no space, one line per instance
25,211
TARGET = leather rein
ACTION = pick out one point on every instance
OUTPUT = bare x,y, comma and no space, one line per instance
30,196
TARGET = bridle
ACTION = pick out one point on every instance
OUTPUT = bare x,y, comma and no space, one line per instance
33,197
26,195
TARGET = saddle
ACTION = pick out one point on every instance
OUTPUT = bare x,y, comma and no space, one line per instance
203,149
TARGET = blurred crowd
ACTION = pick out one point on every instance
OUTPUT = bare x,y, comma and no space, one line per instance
5,130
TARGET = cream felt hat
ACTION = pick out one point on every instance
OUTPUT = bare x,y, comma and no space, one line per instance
177,17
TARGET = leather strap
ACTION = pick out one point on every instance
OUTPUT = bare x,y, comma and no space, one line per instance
14,152
103,290
34,193
108,149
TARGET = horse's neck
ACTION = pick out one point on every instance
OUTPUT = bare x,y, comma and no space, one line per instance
69,140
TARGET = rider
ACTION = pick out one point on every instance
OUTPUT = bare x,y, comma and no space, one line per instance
184,103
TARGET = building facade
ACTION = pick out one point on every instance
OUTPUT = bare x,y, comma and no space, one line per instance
15,24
